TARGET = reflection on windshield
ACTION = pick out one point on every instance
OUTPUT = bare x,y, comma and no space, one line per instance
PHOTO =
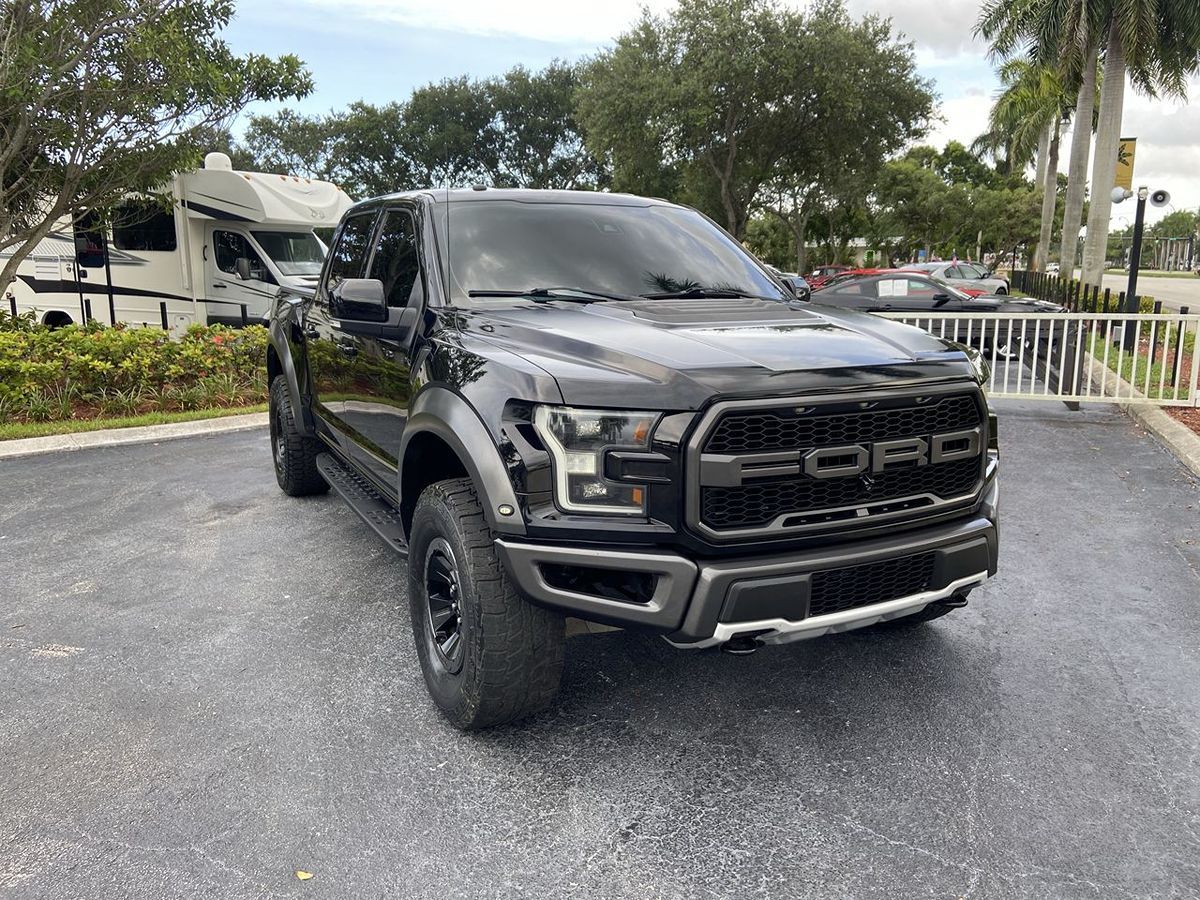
294,252
606,248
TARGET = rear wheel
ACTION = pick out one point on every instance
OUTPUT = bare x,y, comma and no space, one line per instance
294,454
488,655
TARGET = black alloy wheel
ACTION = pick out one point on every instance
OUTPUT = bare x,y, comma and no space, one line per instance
442,592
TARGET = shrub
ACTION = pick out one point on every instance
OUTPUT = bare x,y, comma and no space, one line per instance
84,370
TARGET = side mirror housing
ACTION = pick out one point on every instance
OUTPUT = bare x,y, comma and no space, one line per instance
800,293
941,299
242,267
360,299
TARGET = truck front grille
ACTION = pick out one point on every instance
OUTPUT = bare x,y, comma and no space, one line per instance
836,589
748,475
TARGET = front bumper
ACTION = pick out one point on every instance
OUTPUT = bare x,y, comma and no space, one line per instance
697,603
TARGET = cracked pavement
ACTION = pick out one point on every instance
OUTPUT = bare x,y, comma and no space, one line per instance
206,686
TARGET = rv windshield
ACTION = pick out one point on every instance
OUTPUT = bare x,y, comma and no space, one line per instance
593,251
294,252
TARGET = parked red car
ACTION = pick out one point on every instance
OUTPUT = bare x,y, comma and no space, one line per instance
822,274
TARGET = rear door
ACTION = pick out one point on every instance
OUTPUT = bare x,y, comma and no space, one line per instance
332,354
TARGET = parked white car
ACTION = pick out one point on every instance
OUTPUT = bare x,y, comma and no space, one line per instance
964,274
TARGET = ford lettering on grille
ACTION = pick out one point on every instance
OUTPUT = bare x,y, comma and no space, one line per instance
731,470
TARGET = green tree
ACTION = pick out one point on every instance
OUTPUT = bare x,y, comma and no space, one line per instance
1025,120
99,98
293,144
708,92
864,101
1061,35
537,141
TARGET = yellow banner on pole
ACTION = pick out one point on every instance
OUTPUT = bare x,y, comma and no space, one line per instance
1125,154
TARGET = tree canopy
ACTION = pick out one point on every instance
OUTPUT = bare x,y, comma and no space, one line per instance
99,98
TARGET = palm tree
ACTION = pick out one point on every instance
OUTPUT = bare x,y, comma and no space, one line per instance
1155,42
1025,121
1081,143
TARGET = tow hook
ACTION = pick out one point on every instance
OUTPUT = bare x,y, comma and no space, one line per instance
955,602
741,645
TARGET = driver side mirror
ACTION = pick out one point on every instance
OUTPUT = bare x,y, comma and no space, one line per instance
361,299
798,292
242,267
941,300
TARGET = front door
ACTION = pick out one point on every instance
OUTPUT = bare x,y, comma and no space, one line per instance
229,283
377,412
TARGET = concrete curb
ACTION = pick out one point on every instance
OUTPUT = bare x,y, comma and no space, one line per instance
113,437
1181,441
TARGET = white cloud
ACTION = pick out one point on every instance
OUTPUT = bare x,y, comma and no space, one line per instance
543,20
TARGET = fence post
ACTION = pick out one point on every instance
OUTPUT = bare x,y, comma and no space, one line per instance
87,310
1107,292
1177,365
1154,343
12,304
243,305
162,311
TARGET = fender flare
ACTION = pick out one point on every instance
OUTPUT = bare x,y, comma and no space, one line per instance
283,352
449,417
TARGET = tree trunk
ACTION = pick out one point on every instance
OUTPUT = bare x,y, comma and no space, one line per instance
799,231
1104,160
1049,197
1081,143
1043,149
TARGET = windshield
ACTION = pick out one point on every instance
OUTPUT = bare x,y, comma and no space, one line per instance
499,246
293,252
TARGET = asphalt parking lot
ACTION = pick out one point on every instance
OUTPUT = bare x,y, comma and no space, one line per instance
206,686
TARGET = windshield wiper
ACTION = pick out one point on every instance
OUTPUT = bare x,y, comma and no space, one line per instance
546,294
705,292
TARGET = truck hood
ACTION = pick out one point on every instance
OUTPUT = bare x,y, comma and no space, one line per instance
677,354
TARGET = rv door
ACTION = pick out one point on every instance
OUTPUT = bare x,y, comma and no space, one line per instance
235,274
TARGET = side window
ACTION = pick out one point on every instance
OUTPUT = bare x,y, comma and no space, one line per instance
229,247
917,288
855,289
143,225
349,254
970,271
396,263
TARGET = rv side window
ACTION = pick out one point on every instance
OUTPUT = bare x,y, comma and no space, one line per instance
229,246
349,254
143,225
395,262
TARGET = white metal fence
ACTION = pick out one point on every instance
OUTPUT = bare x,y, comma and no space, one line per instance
1072,357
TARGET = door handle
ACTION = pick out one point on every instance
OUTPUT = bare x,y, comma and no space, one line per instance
221,286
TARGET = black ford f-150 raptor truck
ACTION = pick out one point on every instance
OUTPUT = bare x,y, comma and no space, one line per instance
594,405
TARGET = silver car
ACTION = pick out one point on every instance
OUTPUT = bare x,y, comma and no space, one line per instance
963,274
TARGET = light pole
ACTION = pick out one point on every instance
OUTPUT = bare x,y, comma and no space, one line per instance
1120,195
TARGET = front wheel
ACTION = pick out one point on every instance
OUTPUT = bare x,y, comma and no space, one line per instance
294,455
488,655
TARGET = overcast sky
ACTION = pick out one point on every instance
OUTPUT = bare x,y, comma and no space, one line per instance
379,50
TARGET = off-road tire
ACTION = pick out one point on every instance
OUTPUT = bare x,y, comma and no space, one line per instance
511,655
294,455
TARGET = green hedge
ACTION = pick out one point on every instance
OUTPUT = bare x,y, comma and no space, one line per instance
96,371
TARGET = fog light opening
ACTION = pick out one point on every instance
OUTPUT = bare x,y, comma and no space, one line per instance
609,584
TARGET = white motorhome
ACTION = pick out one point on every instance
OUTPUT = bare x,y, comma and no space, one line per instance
231,240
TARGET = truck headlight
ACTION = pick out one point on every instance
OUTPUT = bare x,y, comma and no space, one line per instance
577,440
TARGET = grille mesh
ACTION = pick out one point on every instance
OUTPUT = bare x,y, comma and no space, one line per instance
836,589
755,432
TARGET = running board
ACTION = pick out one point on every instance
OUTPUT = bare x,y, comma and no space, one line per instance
361,497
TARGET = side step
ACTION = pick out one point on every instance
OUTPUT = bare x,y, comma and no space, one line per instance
361,497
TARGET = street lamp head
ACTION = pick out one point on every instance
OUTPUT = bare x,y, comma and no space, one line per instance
1120,194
